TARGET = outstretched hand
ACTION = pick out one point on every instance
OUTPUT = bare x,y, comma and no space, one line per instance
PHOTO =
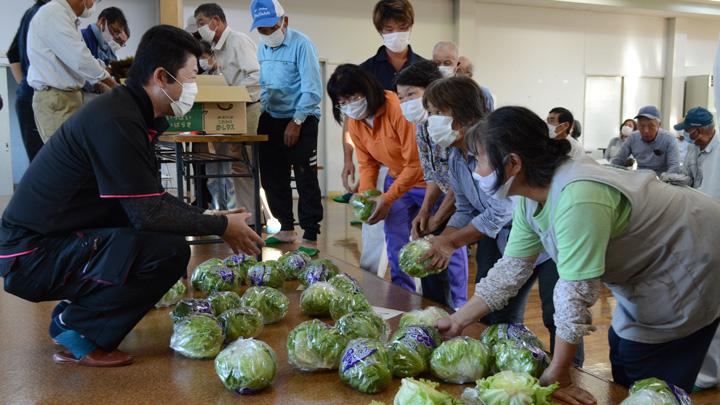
567,390
240,237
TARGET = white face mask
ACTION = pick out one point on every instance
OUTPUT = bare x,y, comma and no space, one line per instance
205,65
626,130
114,46
413,111
88,12
440,130
106,35
206,33
447,71
487,183
551,130
273,40
356,109
397,41
183,105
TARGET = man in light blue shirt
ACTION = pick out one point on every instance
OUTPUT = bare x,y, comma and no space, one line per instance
702,161
653,147
291,94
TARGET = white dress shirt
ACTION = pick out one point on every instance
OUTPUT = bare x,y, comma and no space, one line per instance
236,56
58,55
577,149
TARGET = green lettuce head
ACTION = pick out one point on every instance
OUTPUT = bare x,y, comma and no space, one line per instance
241,262
460,360
364,325
191,306
426,316
246,366
220,278
411,348
653,388
292,263
411,253
494,333
366,366
318,270
266,274
508,387
199,272
519,356
362,206
346,283
224,300
315,301
173,296
314,345
349,302
270,302
242,322
372,193
422,392
197,336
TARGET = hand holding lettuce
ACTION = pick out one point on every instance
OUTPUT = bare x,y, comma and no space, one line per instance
411,253
362,206
426,316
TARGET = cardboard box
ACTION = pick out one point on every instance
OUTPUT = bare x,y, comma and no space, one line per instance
218,109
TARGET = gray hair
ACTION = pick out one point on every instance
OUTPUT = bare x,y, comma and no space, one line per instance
448,44
709,127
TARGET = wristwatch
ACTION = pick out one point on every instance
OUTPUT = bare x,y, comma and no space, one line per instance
297,121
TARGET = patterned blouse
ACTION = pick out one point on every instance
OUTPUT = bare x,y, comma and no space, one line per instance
433,159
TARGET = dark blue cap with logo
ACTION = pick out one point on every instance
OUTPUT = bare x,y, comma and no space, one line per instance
696,117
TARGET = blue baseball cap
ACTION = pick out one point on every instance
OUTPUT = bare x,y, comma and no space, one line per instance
696,117
265,13
649,111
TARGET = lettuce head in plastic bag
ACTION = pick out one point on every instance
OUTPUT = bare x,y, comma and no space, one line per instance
411,253
314,345
519,356
349,302
651,391
191,306
224,300
199,273
246,366
242,322
266,274
220,278
461,360
493,333
270,302
197,336
346,283
508,387
366,366
292,263
318,270
241,262
422,392
173,296
364,325
315,301
426,316
362,206
411,348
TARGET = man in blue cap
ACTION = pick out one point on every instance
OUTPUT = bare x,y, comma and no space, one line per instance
291,94
653,147
702,161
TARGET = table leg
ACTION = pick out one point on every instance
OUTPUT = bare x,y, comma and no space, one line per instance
180,168
256,186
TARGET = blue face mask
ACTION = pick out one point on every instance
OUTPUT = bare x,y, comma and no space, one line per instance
687,136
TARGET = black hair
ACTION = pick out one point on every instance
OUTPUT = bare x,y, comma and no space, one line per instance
349,79
207,47
419,74
461,94
576,129
211,10
163,46
398,10
115,15
631,120
518,130
565,116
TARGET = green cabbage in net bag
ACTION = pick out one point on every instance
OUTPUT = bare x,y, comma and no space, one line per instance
173,296
362,206
224,300
242,322
364,325
349,302
426,316
411,253
292,263
191,306
197,336
461,360
519,356
422,392
494,333
346,283
241,262
318,270
508,387
220,278
199,273
651,391
266,274
411,348
246,366
270,302
315,301
366,366
314,345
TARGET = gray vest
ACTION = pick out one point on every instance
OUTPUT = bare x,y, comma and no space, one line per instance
664,270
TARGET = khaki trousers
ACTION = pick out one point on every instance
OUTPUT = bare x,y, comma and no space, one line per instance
52,107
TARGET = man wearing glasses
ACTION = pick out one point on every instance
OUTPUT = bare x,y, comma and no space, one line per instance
653,147
105,38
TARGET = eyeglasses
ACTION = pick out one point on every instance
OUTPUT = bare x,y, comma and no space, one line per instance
116,35
340,105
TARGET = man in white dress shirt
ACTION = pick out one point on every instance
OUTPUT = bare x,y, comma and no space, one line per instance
560,122
60,63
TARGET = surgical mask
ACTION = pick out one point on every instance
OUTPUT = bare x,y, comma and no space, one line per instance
183,105
487,183
106,35
626,130
356,109
206,33
551,130
397,41
447,71
440,130
273,40
205,65
88,12
687,137
114,46
414,111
